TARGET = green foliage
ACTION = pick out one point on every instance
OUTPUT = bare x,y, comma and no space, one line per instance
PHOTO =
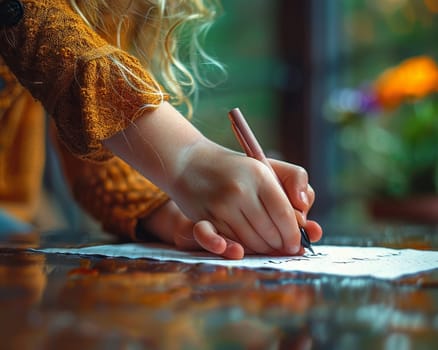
393,154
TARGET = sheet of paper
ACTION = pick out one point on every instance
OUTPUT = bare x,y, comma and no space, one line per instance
382,263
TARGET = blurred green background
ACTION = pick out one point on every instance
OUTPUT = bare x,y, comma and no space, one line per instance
346,43
243,39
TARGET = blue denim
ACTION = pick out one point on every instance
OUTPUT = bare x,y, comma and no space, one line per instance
10,225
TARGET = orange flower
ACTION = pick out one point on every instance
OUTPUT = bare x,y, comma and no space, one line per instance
414,78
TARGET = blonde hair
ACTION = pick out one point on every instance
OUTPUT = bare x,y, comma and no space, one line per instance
165,35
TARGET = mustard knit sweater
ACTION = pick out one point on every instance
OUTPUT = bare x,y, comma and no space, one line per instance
70,69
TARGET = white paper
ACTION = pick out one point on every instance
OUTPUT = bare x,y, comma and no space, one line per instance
382,263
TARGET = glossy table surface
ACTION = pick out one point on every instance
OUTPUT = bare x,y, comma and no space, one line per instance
52,301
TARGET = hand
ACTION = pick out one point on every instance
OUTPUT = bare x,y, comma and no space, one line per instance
237,197
170,225
224,192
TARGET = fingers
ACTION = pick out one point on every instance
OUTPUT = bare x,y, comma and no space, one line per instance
262,220
234,250
270,236
208,238
266,221
184,240
203,235
309,194
283,217
295,182
314,230
255,229
244,219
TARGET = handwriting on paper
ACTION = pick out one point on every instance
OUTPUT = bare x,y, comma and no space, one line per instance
377,262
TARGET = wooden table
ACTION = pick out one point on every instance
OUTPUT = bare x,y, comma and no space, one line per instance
73,302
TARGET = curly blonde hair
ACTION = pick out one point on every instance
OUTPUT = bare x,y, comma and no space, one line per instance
165,35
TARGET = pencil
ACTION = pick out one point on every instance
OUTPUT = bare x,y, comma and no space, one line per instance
252,148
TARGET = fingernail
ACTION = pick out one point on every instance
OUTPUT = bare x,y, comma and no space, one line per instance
304,197
293,249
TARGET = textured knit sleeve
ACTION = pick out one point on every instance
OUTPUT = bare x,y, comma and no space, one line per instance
112,192
92,89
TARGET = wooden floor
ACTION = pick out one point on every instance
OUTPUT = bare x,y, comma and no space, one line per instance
73,302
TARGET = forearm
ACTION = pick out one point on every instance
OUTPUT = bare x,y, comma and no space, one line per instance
157,144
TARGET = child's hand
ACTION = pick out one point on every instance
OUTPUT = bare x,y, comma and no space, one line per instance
170,225
239,198
226,193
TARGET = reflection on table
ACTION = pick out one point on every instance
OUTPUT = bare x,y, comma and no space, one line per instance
62,301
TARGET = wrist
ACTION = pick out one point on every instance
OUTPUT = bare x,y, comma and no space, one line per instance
188,162
201,167
156,144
